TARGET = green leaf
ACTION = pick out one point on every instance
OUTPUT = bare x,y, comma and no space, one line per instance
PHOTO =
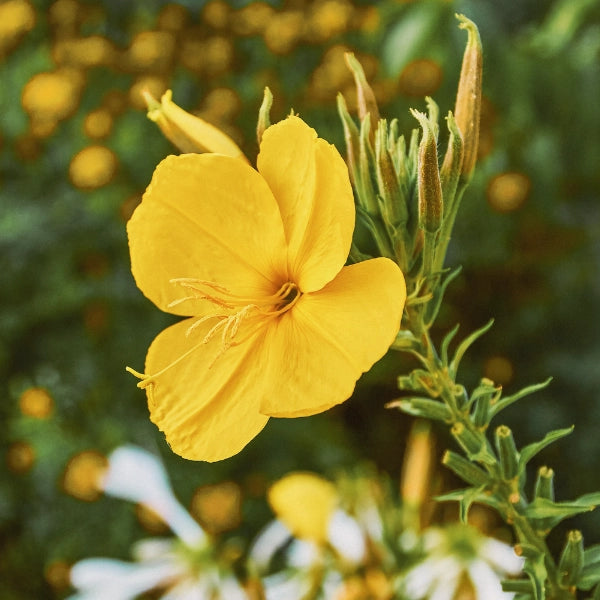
466,344
555,512
529,451
467,496
535,569
508,400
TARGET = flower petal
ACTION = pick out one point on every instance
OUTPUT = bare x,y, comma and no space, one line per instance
207,406
209,217
310,181
319,348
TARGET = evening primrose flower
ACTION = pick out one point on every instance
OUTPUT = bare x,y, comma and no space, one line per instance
277,326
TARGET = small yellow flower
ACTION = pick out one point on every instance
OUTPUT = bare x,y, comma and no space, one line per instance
304,502
278,325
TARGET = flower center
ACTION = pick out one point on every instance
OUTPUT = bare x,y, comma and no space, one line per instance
233,311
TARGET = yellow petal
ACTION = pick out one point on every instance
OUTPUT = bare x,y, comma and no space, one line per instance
188,132
208,217
320,347
305,503
310,181
207,408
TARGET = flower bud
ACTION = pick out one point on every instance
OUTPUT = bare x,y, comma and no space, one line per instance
264,114
465,469
468,98
429,185
544,485
188,132
416,468
571,560
367,103
507,451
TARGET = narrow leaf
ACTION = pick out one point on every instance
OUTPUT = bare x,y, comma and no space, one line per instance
529,451
508,400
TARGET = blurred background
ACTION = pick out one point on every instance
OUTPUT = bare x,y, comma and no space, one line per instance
76,152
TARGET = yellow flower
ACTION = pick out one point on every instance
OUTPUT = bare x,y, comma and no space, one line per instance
278,325
304,502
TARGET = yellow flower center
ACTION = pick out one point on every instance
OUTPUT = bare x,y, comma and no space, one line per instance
234,310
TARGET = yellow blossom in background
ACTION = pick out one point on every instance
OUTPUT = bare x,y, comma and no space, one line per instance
92,167
36,403
17,17
20,457
304,502
278,325
82,475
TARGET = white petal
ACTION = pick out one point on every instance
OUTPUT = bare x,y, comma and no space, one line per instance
346,537
486,582
283,586
302,554
268,541
153,549
136,475
501,556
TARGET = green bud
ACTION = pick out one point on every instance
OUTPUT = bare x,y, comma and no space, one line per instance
264,114
544,485
467,440
468,98
570,564
394,204
453,160
507,451
465,469
367,195
367,103
350,136
429,185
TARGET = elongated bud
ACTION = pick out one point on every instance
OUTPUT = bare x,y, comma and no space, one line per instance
188,132
507,451
429,185
417,464
571,560
394,210
351,136
264,114
465,469
544,485
367,103
468,98
453,160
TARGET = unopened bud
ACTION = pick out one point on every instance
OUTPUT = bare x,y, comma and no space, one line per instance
186,131
264,114
465,469
468,98
350,136
571,560
429,185
507,451
367,103
544,486
417,464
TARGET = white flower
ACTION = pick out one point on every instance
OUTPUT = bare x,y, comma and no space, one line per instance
182,567
455,553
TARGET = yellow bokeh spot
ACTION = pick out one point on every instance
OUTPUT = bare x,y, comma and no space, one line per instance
92,167
86,52
499,369
252,19
508,191
304,502
221,103
421,77
216,14
218,54
17,17
98,124
218,507
20,457
151,50
36,402
82,475
284,30
172,17
57,575
52,96
329,18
